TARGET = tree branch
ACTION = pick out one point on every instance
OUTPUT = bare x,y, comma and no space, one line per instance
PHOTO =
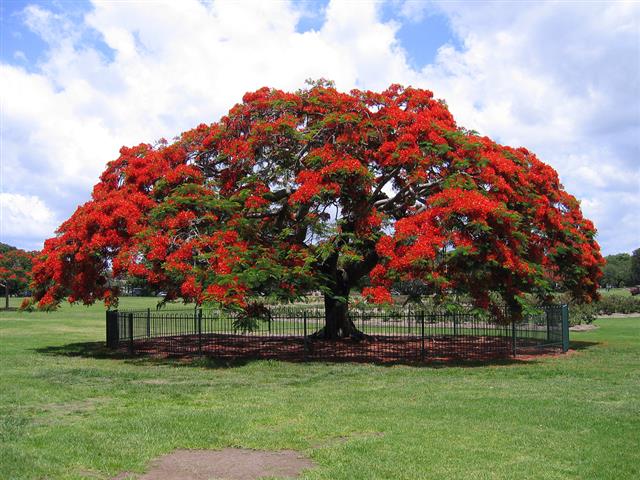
384,181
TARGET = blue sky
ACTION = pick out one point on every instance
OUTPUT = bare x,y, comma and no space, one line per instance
23,46
79,79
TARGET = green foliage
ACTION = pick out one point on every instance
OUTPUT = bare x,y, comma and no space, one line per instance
248,320
617,271
582,313
609,304
4,248
245,324
635,267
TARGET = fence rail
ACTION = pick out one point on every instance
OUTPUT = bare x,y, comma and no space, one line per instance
388,335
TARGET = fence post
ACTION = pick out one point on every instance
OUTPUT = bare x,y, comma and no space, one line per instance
200,331
195,320
513,338
306,346
130,327
546,312
421,317
148,323
565,328
455,325
113,335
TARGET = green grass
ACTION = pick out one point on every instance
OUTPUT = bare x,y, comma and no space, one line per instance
620,292
69,416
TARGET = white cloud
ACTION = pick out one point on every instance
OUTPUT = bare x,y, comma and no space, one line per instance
174,66
25,217
563,80
560,79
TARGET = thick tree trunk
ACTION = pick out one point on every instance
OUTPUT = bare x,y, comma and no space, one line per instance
336,303
6,296
337,321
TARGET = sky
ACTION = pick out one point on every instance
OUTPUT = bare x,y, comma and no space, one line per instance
79,79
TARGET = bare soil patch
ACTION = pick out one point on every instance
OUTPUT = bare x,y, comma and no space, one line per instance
374,348
227,464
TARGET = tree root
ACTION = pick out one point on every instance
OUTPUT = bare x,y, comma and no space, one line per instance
354,334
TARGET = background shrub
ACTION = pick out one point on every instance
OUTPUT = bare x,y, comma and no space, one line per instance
609,304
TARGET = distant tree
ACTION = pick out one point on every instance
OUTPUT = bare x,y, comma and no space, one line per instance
15,270
635,267
617,270
322,190
138,286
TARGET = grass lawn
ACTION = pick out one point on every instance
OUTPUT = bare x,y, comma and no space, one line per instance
620,292
66,416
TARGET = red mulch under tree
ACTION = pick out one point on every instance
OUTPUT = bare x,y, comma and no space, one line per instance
372,349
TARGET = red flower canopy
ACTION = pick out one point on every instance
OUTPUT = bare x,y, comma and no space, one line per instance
324,190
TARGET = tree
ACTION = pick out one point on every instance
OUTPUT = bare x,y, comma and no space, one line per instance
635,267
323,190
15,270
617,270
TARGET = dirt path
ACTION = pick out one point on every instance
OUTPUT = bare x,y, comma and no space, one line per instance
227,464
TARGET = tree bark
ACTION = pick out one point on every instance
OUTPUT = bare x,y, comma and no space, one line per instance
336,306
337,321
336,303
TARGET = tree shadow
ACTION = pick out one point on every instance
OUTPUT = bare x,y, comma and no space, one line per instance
578,345
99,350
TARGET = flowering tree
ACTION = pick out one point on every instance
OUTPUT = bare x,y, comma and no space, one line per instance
323,190
15,270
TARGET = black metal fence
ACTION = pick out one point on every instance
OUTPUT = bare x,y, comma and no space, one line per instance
406,335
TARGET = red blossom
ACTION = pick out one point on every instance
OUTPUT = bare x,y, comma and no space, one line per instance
377,294
290,191
15,268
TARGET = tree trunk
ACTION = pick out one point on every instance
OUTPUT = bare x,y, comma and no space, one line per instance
337,321
6,296
336,304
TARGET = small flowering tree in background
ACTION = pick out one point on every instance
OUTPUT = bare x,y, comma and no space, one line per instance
322,190
15,270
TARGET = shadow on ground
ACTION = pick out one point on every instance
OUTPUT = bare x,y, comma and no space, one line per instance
581,345
98,350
